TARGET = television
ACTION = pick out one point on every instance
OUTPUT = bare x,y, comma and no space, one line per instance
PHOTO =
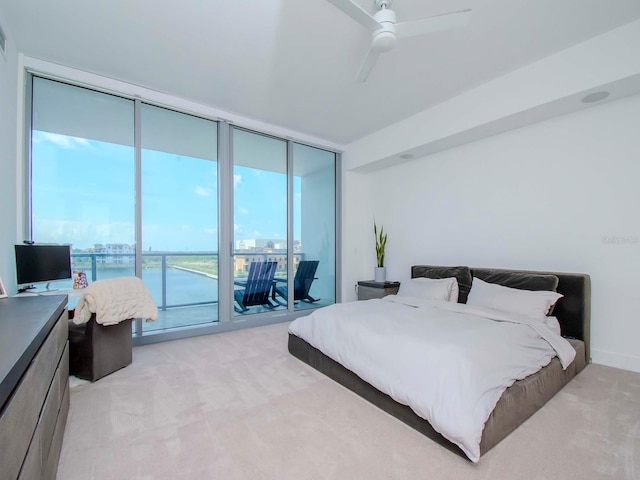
42,263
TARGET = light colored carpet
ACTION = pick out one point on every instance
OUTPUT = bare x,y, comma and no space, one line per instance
237,406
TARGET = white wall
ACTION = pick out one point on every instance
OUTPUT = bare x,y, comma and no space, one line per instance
358,246
558,195
8,177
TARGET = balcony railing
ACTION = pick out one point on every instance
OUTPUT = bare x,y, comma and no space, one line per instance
200,263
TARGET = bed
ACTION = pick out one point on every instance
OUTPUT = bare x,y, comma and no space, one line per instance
520,400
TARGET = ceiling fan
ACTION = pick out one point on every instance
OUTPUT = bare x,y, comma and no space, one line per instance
385,30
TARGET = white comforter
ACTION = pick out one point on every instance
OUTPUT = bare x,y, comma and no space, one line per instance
449,362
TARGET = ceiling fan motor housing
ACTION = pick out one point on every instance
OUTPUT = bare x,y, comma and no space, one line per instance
384,39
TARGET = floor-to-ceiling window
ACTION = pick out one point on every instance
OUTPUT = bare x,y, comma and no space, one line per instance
179,199
260,219
138,189
314,224
82,177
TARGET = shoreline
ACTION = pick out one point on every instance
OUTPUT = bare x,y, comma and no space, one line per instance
197,272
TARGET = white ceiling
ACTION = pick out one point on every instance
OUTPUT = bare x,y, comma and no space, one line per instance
292,63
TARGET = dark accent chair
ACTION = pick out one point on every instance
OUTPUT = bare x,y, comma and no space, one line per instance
257,287
305,275
97,350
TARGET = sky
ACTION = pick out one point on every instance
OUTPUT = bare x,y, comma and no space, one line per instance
84,193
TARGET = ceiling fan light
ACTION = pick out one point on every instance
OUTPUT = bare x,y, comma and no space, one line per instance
383,41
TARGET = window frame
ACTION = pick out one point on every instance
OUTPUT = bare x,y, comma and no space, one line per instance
226,322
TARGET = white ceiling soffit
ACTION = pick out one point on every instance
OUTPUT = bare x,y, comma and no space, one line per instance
616,90
552,86
291,63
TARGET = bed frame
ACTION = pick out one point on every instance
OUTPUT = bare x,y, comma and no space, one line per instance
519,401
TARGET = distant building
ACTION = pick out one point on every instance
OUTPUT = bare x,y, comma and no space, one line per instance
266,244
116,253
261,244
242,262
264,250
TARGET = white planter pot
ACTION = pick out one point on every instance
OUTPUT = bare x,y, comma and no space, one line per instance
380,274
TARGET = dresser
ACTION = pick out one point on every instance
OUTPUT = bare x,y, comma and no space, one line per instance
34,385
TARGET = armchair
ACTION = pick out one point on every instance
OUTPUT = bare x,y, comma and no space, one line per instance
256,288
305,275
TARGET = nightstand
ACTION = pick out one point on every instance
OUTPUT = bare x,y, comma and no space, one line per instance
368,289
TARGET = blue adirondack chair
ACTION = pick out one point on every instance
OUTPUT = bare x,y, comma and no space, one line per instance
257,287
305,275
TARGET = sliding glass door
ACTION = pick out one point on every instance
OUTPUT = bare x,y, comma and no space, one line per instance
179,198
314,226
260,221
265,170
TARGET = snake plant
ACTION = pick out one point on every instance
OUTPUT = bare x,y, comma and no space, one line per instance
381,243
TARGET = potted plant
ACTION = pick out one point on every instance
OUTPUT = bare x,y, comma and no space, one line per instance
380,272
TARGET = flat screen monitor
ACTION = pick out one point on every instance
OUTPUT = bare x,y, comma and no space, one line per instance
42,263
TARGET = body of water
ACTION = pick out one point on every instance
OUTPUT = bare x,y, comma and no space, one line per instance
182,287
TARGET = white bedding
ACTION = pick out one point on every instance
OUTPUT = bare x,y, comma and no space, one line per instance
449,362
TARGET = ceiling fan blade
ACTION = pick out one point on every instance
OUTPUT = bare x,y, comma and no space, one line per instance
436,23
367,65
357,13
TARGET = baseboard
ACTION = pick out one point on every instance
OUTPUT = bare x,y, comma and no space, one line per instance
617,360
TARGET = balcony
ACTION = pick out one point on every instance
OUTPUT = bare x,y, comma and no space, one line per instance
184,285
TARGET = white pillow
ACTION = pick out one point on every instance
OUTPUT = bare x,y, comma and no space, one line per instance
430,288
512,300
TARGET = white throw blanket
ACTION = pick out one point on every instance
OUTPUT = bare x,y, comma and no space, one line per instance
449,362
115,300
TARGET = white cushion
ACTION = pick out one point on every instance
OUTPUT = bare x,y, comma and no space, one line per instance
511,300
445,289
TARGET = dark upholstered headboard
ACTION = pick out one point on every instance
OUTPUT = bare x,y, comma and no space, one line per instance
573,311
